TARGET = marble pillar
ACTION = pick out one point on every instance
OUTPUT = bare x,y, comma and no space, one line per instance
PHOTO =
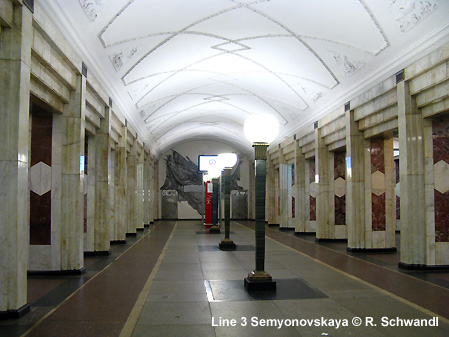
131,188
139,193
121,214
146,190
89,191
301,197
355,180
283,195
102,211
15,55
151,195
271,194
72,259
112,188
324,199
339,191
414,189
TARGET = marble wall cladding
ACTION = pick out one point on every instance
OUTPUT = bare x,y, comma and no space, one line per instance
313,190
86,168
397,189
440,127
40,177
378,184
293,208
340,188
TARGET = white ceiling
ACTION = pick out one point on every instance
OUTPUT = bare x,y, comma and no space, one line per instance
183,70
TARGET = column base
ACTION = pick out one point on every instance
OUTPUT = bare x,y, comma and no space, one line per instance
140,229
286,229
56,272
330,240
273,225
214,230
304,233
259,280
118,242
98,253
131,234
227,244
372,250
424,267
15,314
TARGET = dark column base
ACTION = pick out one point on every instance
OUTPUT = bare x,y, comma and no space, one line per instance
423,267
98,253
15,314
214,230
259,281
131,234
56,272
372,250
118,242
140,229
330,240
304,233
227,244
273,225
286,229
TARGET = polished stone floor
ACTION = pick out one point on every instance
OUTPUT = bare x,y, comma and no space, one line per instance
173,280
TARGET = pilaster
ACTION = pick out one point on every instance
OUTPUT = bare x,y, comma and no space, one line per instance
412,176
131,189
15,55
120,218
102,214
301,214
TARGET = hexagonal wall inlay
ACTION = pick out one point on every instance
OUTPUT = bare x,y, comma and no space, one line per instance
397,189
378,183
441,176
40,178
340,187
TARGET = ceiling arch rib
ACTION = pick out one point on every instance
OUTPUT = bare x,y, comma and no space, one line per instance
176,65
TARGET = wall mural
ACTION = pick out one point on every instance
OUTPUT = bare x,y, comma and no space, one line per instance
183,176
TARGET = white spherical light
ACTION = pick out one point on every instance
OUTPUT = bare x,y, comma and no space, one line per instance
227,159
261,128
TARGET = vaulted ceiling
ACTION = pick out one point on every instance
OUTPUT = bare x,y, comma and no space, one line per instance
182,70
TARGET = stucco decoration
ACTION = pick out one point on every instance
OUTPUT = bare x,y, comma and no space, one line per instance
92,8
409,13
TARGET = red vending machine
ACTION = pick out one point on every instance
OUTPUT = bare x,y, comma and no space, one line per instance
208,204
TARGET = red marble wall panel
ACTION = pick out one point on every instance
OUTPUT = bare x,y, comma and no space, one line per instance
312,199
441,153
311,171
340,202
378,201
377,155
293,208
339,165
293,174
312,208
378,212
398,198
340,210
40,205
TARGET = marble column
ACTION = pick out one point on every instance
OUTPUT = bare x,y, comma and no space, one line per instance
120,209
301,211
89,192
131,187
283,195
324,200
412,176
355,180
72,191
152,204
146,189
102,212
15,55
139,192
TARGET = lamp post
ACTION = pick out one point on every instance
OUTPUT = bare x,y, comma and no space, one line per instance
228,160
215,174
260,130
